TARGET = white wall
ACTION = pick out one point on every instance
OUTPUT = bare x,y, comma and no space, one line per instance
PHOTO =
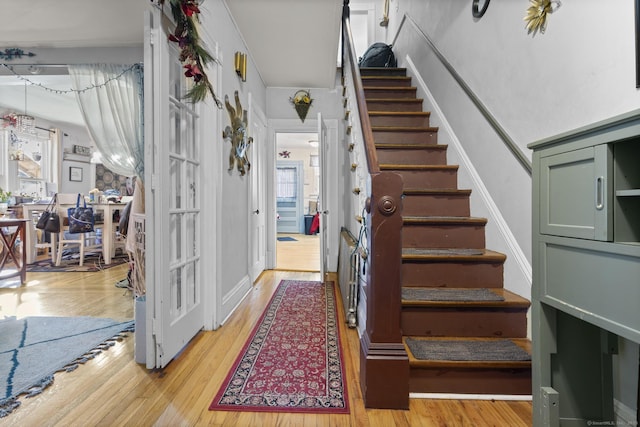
229,189
582,70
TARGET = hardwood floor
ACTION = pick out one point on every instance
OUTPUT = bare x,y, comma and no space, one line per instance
303,254
113,390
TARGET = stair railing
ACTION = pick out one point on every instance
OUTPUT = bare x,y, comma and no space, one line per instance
506,139
384,364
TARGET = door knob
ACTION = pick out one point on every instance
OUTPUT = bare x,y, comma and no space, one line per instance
257,211
325,212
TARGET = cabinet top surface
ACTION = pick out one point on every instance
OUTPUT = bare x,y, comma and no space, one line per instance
627,124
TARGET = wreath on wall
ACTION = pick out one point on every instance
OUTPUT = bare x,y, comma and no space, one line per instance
193,56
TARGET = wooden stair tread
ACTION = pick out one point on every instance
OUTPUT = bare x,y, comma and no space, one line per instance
400,113
409,146
452,255
510,300
398,88
418,167
436,191
386,69
450,220
391,100
403,78
523,343
404,129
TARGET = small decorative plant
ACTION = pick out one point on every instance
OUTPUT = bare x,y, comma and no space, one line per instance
4,196
302,102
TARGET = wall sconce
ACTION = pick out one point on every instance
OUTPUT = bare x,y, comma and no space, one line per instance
240,64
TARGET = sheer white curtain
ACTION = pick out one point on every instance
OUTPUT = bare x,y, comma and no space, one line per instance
286,183
111,100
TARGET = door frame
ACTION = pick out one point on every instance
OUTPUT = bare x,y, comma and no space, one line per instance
329,180
256,120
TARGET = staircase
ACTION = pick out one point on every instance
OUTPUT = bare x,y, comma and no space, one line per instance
452,286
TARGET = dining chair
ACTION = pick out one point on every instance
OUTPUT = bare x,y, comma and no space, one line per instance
66,239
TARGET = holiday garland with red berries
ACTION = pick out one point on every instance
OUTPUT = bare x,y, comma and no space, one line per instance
193,56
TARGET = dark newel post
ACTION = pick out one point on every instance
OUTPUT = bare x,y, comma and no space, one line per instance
384,364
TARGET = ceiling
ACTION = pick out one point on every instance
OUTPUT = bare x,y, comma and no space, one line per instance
292,42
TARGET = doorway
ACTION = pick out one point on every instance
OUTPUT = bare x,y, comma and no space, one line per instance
297,190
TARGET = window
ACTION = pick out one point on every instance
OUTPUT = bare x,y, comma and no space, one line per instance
287,183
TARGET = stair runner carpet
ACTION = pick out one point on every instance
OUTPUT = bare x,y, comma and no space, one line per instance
438,294
443,251
467,350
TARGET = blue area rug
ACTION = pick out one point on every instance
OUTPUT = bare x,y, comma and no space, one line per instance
32,349
287,239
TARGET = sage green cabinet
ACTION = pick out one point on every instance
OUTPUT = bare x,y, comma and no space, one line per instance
586,267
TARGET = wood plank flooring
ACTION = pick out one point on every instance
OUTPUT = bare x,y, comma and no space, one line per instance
303,254
113,390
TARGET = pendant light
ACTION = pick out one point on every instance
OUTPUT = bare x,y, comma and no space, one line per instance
24,122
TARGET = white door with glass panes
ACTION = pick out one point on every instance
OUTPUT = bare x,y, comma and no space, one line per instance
172,180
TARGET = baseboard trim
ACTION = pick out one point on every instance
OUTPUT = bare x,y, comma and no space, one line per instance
457,396
233,298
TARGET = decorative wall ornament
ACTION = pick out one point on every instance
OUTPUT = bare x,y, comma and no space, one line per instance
478,12
193,55
385,15
537,14
14,53
285,154
301,102
236,134
240,65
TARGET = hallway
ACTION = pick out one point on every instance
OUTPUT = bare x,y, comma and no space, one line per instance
113,390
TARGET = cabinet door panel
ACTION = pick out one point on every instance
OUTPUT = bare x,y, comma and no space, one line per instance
576,194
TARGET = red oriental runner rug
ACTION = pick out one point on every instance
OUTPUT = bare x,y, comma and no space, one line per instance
292,361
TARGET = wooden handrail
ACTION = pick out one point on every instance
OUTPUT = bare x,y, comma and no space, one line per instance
363,112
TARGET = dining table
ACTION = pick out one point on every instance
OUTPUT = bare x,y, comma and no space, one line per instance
12,229
106,211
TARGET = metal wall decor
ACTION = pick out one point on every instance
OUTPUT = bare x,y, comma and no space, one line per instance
478,12
537,13
236,134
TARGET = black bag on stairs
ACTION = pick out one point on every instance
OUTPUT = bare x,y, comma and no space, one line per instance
378,55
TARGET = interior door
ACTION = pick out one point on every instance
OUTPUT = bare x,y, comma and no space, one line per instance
289,196
172,167
257,247
322,207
